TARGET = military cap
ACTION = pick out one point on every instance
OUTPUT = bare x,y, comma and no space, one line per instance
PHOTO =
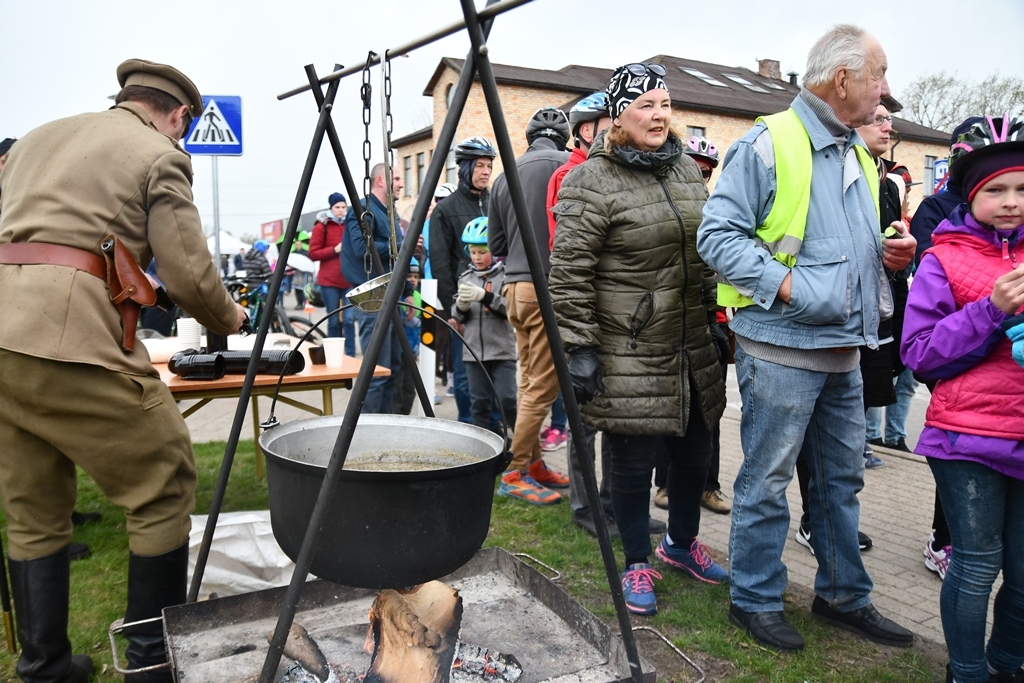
161,77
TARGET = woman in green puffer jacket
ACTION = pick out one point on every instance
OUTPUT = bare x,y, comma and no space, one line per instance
635,307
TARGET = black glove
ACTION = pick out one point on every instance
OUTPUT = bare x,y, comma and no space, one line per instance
585,371
721,340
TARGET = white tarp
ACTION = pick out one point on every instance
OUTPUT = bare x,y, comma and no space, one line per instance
244,556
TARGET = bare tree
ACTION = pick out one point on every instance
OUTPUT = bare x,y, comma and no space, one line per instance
942,101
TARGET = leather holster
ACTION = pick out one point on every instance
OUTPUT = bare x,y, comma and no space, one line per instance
128,286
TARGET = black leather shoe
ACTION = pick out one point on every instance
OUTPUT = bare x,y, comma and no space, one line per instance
585,521
768,628
80,518
865,621
656,527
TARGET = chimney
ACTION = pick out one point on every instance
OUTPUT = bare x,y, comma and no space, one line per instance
792,77
769,68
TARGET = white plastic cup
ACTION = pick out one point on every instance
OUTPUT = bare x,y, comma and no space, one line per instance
334,351
189,331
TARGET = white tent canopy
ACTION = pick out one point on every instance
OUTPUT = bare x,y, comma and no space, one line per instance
229,244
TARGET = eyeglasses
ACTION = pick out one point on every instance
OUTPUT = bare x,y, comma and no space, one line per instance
879,120
638,69
705,173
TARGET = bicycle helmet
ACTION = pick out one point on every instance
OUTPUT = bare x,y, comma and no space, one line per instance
475,233
984,138
445,190
548,122
261,246
474,148
590,108
700,147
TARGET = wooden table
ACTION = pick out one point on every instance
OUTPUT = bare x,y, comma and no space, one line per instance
312,377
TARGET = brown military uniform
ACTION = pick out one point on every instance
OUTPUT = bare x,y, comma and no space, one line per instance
68,393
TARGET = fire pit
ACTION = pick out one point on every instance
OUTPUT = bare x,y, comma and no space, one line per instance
508,608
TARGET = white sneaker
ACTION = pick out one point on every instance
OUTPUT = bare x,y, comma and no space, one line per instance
937,560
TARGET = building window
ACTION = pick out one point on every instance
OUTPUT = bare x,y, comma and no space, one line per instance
420,169
451,169
697,73
696,131
407,177
929,175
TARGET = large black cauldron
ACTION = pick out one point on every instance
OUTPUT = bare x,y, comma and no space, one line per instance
392,527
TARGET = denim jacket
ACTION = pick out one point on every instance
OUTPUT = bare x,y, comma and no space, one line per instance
837,280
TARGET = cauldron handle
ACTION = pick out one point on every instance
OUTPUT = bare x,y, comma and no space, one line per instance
504,461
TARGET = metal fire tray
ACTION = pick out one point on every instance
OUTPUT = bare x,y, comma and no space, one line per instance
507,606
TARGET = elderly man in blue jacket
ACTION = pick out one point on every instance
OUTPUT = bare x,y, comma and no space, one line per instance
380,395
792,230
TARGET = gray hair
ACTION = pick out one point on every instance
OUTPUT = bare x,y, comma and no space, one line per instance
843,46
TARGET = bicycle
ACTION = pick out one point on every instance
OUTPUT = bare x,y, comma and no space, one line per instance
251,294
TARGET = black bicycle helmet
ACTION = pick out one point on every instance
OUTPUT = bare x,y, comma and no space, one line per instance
548,122
982,139
474,148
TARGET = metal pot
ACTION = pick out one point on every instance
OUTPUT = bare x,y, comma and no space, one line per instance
385,529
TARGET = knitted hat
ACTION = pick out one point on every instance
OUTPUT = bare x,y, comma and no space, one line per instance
991,166
335,198
630,81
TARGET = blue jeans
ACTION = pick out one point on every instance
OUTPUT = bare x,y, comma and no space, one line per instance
335,298
503,374
381,393
463,400
985,510
558,416
785,410
896,414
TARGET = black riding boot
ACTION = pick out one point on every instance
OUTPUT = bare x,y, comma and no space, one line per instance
41,590
153,583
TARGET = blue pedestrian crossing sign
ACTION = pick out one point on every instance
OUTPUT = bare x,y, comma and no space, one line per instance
218,131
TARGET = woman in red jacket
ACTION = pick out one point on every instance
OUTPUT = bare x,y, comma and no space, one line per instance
325,247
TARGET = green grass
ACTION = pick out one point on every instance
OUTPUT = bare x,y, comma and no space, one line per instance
692,615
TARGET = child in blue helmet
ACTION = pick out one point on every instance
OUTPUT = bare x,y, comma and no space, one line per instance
480,309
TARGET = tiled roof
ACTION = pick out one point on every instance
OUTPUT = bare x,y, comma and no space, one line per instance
694,85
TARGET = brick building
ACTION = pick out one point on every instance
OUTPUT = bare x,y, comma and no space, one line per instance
716,101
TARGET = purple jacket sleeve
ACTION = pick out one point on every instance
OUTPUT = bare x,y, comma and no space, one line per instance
940,341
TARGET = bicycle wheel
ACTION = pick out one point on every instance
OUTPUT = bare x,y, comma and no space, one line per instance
301,325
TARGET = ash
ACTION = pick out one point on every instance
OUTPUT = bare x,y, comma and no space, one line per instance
474,663
339,674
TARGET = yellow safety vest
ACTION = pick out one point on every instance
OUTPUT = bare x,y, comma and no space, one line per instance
783,231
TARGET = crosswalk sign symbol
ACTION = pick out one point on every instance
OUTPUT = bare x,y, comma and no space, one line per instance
218,131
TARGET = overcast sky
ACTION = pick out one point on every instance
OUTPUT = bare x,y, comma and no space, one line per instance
58,58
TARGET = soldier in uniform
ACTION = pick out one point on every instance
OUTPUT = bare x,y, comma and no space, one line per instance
74,387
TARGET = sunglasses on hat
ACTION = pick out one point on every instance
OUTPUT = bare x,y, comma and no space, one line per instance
638,69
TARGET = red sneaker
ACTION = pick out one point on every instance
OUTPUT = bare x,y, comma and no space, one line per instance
545,476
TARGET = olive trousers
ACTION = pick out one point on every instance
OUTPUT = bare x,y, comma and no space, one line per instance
124,430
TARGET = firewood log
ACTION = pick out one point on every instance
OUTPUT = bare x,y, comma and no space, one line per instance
414,634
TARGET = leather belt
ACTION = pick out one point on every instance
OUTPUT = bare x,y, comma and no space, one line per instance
842,349
44,253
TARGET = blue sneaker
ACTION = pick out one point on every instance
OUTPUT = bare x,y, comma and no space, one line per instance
638,589
871,462
696,561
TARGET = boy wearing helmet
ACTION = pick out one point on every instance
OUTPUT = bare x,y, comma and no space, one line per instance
966,300
257,267
480,308
475,157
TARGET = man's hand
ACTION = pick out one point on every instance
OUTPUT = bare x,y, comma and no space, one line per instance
240,317
585,371
1008,293
785,287
898,251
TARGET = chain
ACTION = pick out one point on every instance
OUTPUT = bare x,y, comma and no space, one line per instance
365,93
389,160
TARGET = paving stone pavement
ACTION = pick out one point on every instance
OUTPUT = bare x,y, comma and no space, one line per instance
896,506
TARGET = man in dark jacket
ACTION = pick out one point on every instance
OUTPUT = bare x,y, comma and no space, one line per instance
547,133
448,257
382,389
